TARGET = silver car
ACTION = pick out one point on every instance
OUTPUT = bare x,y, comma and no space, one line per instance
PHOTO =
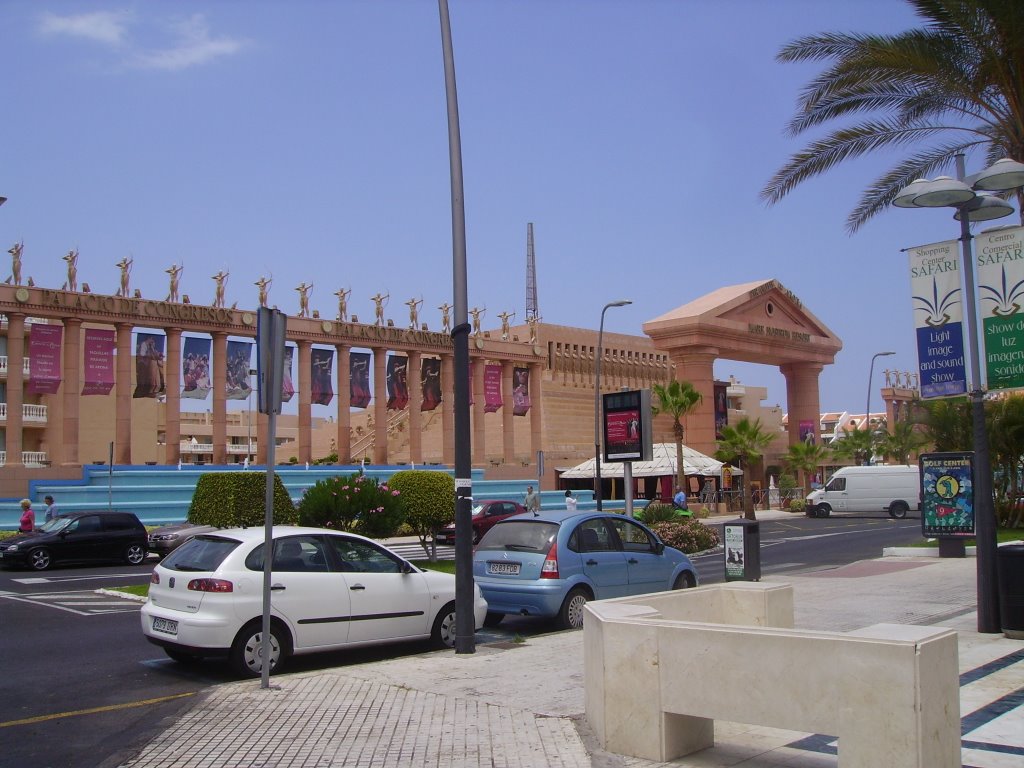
167,538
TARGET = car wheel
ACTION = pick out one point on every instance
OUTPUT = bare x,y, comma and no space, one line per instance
493,619
824,510
180,656
442,634
898,509
39,559
571,614
135,554
246,652
684,580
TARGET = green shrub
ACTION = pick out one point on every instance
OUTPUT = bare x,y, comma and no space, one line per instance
238,499
429,501
354,503
797,505
787,483
687,535
657,512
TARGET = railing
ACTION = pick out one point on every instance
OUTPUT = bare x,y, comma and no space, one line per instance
3,365
367,441
238,448
28,458
187,446
29,413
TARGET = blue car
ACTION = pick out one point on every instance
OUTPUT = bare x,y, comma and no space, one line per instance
551,563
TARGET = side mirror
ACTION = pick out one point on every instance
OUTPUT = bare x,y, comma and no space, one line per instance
407,567
659,548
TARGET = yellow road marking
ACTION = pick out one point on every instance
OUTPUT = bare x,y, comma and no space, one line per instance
95,710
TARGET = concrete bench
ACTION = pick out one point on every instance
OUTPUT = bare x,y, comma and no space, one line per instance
659,669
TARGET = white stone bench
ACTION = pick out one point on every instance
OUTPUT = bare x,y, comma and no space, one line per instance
659,669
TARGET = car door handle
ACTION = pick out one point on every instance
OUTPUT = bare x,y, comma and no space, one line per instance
276,587
591,562
357,586
632,561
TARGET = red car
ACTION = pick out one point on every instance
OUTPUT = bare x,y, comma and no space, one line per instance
485,515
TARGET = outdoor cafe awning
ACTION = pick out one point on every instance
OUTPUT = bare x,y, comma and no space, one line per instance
663,463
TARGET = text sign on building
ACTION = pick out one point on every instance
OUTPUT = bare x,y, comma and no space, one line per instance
999,257
947,494
938,318
627,426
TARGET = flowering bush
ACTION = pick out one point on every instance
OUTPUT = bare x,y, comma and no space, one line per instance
354,503
687,535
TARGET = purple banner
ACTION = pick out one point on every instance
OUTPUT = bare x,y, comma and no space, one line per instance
287,385
195,368
520,391
44,358
98,362
359,379
721,409
398,382
322,366
492,388
149,365
239,383
430,376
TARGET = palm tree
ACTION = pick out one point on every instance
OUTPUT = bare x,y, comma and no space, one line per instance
856,445
1006,440
805,458
677,399
744,443
946,424
905,439
958,80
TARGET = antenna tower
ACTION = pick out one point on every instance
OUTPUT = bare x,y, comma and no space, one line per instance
532,308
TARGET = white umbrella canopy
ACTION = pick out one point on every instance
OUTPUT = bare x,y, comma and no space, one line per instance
663,463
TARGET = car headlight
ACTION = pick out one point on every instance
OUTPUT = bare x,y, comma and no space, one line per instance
12,548
163,537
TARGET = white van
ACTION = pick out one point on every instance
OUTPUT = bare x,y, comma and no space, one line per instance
893,489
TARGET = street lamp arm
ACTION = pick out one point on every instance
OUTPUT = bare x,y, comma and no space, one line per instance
597,400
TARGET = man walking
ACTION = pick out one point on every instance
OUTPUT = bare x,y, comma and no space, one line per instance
532,500
51,508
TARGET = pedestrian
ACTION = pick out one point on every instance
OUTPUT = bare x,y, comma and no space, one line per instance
27,524
679,500
51,508
532,500
570,501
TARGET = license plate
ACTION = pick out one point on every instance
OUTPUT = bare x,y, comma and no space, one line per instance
165,625
509,569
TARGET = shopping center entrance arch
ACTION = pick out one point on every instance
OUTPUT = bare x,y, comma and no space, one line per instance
758,322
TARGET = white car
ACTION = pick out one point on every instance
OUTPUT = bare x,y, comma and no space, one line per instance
329,590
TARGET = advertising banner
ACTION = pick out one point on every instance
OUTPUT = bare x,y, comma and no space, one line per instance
999,257
44,358
622,435
359,379
492,388
520,391
721,409
398,382
239,362
430,378
149,365
734,548
938,318
195,368
287,385
806,428
947,495
98,362
322,366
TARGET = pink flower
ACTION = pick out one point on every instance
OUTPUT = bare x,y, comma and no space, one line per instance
395,493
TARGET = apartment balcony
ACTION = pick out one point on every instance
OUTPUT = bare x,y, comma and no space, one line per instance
240,449
28,458
187,446
3,366
30,414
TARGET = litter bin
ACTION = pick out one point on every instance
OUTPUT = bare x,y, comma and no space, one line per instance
1010,569
742,550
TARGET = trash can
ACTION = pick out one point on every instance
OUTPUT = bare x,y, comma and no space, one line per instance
742,540
1010,569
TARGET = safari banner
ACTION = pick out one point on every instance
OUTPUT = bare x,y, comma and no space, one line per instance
1000,262
938,317
98,362
44,358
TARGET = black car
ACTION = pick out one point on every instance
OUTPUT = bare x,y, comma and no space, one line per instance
77,538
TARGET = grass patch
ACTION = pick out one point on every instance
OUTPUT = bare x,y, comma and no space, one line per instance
445,566
1003,535
142,590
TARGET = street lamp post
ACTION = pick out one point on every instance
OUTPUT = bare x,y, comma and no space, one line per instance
973,205
597,400
867,408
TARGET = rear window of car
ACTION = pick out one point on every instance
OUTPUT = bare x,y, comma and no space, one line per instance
202,553
519,536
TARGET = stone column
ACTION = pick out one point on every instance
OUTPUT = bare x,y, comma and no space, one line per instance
802,398
380,406
220,401
172,405
448,409
536,414
15,387
479,442
415,414
344,438
698,367
304,378
72,386
123,396
508,428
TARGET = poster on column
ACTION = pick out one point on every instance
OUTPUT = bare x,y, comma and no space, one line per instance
149,365
806,427
287,384
721,409
359,379
520,391
938,318
398,382
239,383
1000,261
44,358
492,388
430,378
322,367
195,368
98,362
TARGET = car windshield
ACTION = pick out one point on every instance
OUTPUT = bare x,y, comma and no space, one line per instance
57,524
202,553
519,536
478,510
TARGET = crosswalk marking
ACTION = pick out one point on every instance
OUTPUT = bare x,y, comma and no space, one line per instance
83,603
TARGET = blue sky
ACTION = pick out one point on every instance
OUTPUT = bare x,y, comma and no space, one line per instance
307,141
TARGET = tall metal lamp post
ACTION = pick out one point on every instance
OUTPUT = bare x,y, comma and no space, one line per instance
597,400
969,195
871,377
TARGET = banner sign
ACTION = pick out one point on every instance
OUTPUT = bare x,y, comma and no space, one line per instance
398,382
149,365
999,257
359,379
734,549
938,317
287,385
472,371
947,495
721,409
44,358
520,391
627,425
430,376
806,428
239,362
492,388
98,362
195,368
322,367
